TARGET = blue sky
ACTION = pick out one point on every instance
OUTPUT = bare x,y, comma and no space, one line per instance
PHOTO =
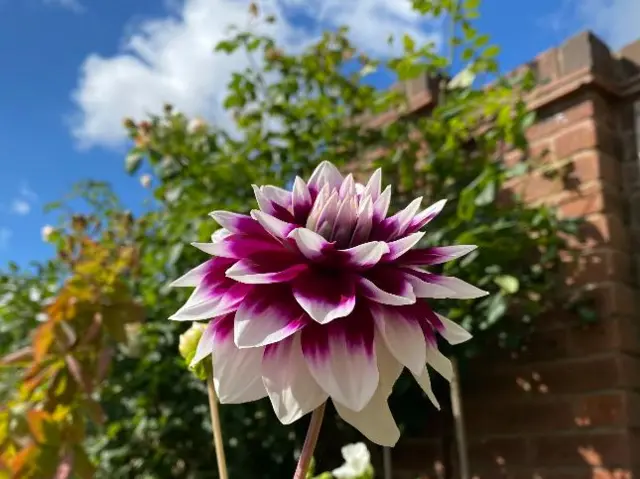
71,69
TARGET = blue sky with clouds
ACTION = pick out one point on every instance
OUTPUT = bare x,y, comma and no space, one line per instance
71,69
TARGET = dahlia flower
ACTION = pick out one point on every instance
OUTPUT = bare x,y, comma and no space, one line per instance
318,294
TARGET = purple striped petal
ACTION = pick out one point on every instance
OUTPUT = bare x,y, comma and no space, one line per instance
429,285
237,223
387,285
240,246
374,420
400,246
326,216
237,373
292,390
423,218
342,359
403,336
267,315
365,255
205,304
381,205
435,255
325,296
348,187
363,225
325,174
191,278
310,244
345,221
396,225
374,185
302,202
422,288
275,227
250,272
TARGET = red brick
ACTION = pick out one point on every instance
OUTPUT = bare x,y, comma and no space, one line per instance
574,140
603,229
615,299
614,333
595,165
586,201
534,413
417,455
601,410
559,119
498,454
596,266
594,449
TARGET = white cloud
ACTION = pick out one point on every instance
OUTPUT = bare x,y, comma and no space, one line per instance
72,5
5,237
615,21
21,205
170,59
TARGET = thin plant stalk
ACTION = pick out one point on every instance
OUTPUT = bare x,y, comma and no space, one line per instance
310,443
217,430
386,462
458,421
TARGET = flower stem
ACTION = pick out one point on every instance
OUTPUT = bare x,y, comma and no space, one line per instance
310,443
217,430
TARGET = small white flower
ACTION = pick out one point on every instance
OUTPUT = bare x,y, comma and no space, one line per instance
357,462
46,232
145,181
195,125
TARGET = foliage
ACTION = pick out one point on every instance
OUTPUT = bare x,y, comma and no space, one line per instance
288,112
44,423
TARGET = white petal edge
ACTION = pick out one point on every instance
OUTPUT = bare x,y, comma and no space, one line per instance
424,381
452,332
191,278
371,291
292,390
308,242
374,421
439,362
402,336
237,373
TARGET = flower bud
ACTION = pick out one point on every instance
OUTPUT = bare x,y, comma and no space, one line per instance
128,123
46,232
189,341
145,181
196,125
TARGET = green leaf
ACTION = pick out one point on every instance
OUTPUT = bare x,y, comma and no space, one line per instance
133,161
508,283
408,43
487,195
491,51
471,4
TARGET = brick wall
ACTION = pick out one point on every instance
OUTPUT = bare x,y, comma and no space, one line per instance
569,406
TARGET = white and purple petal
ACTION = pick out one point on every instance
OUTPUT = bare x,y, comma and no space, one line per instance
265,271
237,373
402,334
267,315
386,285
292,390
237,223
325,296
341,357
435,255
423,218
